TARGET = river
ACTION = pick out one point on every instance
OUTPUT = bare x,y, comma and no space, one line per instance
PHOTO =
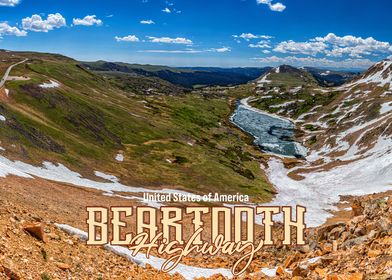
271,133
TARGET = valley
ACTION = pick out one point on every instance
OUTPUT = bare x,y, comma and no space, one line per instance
75,132
90,123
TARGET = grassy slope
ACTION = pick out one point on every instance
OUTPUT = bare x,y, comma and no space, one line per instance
87,121
308,95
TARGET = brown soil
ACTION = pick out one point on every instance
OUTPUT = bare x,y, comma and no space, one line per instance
66,257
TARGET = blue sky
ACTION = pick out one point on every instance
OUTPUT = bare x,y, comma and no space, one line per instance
326,33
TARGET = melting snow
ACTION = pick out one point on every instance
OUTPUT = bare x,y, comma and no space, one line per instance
51,84
319,191
264,80
60,173
270,272
102,175
188,272
326,73
120,157
386,108
296,89
285,104
378,77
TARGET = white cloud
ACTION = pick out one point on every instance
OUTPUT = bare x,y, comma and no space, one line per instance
168,40
9,3
263,44
277,7
353,46
129,38
6,29
309,48
166,10
87,21
190,51
221,50
37,24
250,36
316,62
266,51
335,46
147,22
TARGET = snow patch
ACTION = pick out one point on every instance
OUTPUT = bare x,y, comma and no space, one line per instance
283,105
51,84
386,108
264,80
320,191
102,175
326,73
120,157
60,173
379,76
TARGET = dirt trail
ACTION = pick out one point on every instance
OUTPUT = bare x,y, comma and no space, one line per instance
7,72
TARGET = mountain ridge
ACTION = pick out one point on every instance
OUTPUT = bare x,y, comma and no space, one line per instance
182,76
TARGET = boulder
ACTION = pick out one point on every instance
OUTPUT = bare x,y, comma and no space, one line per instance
357,208
63,266
36,230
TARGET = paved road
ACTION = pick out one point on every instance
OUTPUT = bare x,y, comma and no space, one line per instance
5,77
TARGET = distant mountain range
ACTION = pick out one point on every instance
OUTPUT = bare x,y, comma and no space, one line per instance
193,77
331,78
187,77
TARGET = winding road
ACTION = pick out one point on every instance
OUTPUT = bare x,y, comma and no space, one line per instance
6,74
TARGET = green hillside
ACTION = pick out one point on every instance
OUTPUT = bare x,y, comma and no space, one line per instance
180,140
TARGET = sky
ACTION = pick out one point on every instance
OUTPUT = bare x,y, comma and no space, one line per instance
225,33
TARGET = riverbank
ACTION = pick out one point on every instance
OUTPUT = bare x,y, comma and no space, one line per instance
320,191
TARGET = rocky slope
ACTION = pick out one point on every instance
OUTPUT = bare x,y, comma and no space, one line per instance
355,249
355,244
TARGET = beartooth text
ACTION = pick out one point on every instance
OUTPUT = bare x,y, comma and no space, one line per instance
232,230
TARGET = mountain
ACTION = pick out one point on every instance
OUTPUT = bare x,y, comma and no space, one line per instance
379,74
347,129
186,76
144,130
330,78
287,76
359,118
